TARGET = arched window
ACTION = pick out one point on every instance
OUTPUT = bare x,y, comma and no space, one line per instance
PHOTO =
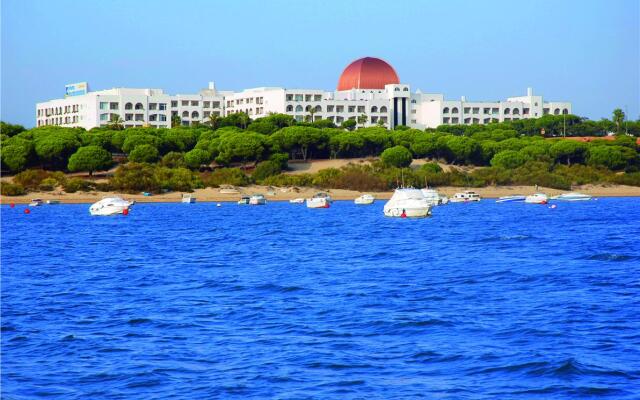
185,114
195,114
139,106
383,109
397,89
556,111
507,111
374,109
565,111
413,102
516,111
454,110
318,109
445,110
128,106
289,108
298,108
405,89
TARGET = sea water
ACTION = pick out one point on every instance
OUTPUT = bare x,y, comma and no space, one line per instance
483,300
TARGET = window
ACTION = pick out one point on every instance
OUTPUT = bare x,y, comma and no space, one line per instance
163,117
206,104
397,89
195,115
405,89
486,110
174,104
330,108
445,110
467,110
383,109
139,106
104,105
184,103
298,108
360,109
317,97
495,110
162,106
475,110
339,109
139,117
128,117
525,111
307,97
298,97
565,111
113,106
104,117
352,109
185,114
289,97
374,109
545,111
153,117
507,111
455,120
413,111
195,103
153,106
289,108
215,104
516,111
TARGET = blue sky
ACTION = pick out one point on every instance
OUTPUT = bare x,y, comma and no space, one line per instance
586,52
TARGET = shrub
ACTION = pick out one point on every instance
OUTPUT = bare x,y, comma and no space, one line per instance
173,159
76,184
431,168
11,189
266,169
15,157
225,176
282,159
48,184
31,178
289,180
397,156
178,179
134,178
508,159
144,153
197,157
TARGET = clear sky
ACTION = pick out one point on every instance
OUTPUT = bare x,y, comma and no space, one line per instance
585,51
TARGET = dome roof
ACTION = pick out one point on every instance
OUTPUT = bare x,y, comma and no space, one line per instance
367,73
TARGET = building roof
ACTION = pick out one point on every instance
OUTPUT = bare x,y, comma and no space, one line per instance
367,73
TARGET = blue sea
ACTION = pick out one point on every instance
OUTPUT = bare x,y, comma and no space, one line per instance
193,301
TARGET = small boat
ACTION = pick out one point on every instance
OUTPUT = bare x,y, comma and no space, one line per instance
537,198
443,199
433,197
188,198
510,199
573,196
319,200
407,203
365,199
147,194
299,200
466,196
257,200
244,200
53,202
110,206
36,203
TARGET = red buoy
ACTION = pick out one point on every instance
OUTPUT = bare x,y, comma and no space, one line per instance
12,205
27,211
403,215
125,211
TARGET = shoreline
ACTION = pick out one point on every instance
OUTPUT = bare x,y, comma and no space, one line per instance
286,194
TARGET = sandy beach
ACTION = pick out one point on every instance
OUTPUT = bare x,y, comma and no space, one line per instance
285,194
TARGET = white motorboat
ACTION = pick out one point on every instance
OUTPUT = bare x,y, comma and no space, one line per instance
188,198
299,200
110,206
433,197
257,200
573,196
36,203
365,199
510,199
443,199
319,200
53,202
537,198
407,203
244,200
466,196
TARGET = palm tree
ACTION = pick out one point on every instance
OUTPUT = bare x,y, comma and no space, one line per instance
175,121
618,119
312,111
244,119
362,119
115,122
214,121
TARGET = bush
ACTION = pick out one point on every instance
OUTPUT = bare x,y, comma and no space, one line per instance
76,184
431,168
11,189
508,159
177,179
48,184
134,178
397,156
282,159
15,157
197,157
144,153
173,159
266,169
289,180
225,176
31,178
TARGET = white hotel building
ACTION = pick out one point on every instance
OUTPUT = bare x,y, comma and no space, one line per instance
367,86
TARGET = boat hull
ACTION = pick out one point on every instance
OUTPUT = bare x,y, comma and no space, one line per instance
397,212
511,199
317,202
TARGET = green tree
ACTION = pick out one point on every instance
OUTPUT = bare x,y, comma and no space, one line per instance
10,129
133,177
349,124
312,111
346,144
618,119
397,156
54,149
266,169
173,159
176,121
362,120
15,157
90,158
115,123
299,140
243,147
134,140
213,121
144,153
508,159
568,150
611,157
197,157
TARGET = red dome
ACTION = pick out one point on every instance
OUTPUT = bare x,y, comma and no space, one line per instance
367,73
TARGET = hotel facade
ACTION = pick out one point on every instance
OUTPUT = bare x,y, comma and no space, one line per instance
368,86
